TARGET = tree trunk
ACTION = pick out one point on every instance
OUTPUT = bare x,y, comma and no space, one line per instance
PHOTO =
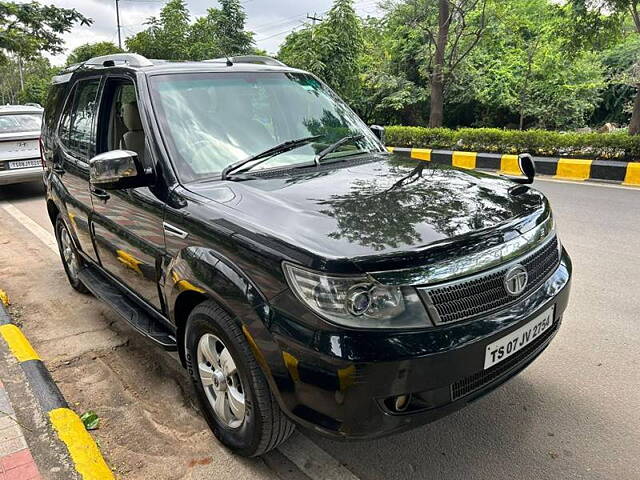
634,125
436,113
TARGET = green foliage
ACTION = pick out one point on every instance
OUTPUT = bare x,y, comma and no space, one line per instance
331,49
167,36
90,50
26,29
36,74
172,36
619,146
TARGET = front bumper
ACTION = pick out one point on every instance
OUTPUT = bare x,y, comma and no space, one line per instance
341,382
20,175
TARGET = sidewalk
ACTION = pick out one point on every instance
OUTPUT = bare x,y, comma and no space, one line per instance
16,461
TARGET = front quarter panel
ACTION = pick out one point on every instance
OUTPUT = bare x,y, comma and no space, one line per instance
209,262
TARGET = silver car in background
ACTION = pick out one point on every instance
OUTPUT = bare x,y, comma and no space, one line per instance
20,143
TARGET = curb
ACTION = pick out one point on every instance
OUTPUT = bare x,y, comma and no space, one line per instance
625,173
70,430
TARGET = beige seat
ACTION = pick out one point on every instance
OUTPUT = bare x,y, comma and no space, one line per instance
133,139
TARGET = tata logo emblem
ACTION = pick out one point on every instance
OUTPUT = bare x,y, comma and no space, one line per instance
515,281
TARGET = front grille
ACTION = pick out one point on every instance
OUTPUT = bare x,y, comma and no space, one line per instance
485,293
480,379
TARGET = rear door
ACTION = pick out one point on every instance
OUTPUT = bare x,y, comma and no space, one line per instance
76,145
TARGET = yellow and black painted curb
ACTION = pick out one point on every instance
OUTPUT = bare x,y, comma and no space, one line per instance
625,173
83,451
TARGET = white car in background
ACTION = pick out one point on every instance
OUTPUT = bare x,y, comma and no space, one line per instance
20,143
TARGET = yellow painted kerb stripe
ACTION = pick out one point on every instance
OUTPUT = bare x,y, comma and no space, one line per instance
573,169
509,165
633,174
390,149
84,452
464,159
18,343
421,154
4,298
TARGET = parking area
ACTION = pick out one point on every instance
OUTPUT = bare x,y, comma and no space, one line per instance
574,413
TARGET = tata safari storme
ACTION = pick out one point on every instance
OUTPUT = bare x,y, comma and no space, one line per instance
238,213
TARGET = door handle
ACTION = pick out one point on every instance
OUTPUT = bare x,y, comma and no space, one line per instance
174,231
100,194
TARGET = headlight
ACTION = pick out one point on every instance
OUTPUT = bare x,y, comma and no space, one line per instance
357,301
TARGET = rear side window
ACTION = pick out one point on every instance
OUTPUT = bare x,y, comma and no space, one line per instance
76,126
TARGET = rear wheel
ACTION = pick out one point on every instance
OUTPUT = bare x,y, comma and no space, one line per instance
69,255
233,392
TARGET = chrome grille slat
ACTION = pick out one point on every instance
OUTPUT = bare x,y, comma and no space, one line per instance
485,293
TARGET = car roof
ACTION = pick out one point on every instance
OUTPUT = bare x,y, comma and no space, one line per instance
9,109
138,63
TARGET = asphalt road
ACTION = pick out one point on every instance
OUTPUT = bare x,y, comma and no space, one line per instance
574,413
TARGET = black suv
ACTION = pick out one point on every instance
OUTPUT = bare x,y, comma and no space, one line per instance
238,213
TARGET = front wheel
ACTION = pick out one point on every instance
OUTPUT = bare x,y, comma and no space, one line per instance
69,255
233,392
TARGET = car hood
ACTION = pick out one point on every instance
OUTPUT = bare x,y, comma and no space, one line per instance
379,211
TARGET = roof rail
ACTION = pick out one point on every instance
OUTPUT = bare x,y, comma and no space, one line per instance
131,59
257,59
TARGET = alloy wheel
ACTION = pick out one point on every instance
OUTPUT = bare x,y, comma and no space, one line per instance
221,380
69,253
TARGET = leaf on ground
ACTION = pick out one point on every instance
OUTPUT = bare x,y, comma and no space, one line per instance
90,419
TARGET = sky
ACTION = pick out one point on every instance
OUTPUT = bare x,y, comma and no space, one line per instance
271,20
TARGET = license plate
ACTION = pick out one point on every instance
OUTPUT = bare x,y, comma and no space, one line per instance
24,164
509,344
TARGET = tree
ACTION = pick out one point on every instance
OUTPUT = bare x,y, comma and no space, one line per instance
90,50
594,8
36,78
26,29
331,50
448,31
167,36
221,33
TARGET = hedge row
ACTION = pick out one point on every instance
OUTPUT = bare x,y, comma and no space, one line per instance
614,146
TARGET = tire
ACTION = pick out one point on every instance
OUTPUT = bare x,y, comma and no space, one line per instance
264,426
69,255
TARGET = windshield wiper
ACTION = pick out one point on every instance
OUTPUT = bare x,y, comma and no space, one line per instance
333,147
267,154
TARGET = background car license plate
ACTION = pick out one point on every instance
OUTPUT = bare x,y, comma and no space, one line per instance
515,341
24,164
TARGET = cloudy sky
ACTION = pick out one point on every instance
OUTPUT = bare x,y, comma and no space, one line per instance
271,20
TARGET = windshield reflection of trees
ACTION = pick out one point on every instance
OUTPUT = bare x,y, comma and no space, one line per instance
383,211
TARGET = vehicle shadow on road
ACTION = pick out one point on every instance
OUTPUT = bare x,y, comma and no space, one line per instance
22,191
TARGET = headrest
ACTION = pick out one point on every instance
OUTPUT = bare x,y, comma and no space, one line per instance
131,116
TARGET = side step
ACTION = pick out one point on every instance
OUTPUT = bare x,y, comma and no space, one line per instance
142,319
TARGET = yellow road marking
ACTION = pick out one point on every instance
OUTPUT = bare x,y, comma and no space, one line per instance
421,154
573,169
509,165
390,149
464,159
84,452
18,343
633,174
4,298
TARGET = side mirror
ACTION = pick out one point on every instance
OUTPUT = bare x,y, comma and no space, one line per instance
379,132
527,167
118,169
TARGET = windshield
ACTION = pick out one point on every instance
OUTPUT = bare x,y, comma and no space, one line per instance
211,120
22,122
